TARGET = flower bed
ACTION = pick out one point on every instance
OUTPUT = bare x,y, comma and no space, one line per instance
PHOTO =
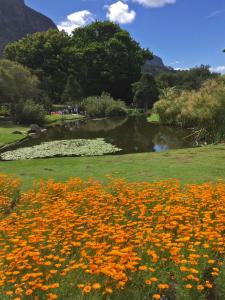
82,240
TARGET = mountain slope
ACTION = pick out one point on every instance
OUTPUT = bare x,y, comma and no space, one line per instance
17,20
154,66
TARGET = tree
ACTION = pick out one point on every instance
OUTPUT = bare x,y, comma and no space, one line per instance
73,91
145,92
17,83
114,59
191,79
46,54
102,57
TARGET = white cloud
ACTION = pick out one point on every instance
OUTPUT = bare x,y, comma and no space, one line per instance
219,69
214,13
75,20
182,69
119,12
155,3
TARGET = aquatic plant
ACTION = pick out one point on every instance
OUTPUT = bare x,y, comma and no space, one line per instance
77,147
203,109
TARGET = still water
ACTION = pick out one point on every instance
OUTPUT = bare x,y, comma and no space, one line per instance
131,134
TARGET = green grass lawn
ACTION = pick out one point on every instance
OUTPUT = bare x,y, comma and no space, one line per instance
188,165
6,133
57,118
7,128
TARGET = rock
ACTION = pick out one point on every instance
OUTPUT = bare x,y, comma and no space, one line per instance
33,135
34,128
17,20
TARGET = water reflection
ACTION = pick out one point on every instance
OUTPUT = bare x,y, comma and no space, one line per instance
132,134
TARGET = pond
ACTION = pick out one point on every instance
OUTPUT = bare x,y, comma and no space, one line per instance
131,134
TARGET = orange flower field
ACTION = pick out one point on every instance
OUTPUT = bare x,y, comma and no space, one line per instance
84,240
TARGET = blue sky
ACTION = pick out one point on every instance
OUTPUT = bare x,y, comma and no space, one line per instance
185,33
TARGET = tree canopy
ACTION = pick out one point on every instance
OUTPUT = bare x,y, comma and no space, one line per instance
145,92
191,79
101,56
17,83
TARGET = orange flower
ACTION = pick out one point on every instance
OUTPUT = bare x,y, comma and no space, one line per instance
96,286
109,290
163,286
87,289
29,292
156,296
188,286
142,268
52,296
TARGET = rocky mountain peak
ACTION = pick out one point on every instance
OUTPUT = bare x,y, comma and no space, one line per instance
154,66
17,20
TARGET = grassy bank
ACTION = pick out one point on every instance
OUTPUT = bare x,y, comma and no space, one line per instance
6,133
7,128
188,165
52,119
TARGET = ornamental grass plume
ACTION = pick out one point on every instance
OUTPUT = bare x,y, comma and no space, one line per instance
83,240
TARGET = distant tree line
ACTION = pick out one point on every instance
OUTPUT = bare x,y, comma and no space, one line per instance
191,79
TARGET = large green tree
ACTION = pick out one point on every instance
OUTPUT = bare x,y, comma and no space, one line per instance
46,54
17,83
102,57
145,92
73,92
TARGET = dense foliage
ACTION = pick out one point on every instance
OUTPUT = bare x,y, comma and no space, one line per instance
191,79
82,240
73,92
103,106
203,109
101,57
145,92
28,112
17,83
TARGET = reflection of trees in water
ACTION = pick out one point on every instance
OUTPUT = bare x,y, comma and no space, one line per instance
132,134
135,135
170,138
107,124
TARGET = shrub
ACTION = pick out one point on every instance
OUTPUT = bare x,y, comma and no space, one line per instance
103,106
204,109
4,110
145,92
29,112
